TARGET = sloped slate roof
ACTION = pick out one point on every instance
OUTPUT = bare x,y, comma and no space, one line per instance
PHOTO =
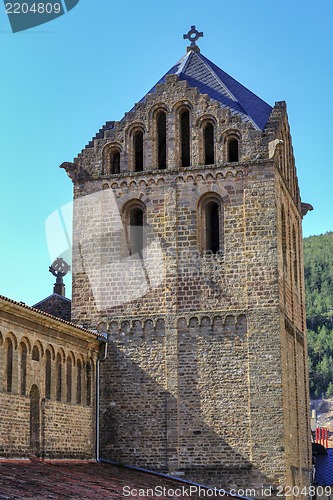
209,79
56,305
324,469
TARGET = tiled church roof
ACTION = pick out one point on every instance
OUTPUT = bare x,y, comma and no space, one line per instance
5,304
209,79
97,481
324,469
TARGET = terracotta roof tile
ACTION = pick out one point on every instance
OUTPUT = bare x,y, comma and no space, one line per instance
41,480
37,311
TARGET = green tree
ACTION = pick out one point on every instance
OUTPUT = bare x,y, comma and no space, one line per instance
318,276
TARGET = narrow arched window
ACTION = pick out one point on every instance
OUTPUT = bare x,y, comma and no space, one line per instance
115,161
138,151
79,383
295,257
69,380
35,353
209,143
48,375
111,159
233,153
23,365
161,140
35,420
9,365
210,224
136,231
284,237
58,377
212,217
185,138
88,382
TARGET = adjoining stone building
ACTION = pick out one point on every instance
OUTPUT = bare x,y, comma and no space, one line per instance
47,385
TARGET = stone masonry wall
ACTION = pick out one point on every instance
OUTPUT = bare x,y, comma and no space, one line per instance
202,376
293,335
66,430
166,400
43,413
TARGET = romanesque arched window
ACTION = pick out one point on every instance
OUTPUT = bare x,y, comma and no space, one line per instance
35,353
212,216
208,136
134,222
161,139
48,375
23,368
295,263
284,238
115,161
138,150
35,420
111,159
210,223
9,349
79,382
69,380
136,231
233,149
58,377
185,138
88,383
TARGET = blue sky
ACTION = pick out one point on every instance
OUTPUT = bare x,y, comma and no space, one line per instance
61,81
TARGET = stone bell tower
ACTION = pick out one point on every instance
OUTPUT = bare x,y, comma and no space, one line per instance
187,249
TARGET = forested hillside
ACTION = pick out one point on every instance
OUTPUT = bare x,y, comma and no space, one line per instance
318,271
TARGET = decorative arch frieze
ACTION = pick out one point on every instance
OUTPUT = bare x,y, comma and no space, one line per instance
137,329
217,326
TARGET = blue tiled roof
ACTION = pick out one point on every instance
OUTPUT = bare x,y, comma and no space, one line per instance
324,469
201,73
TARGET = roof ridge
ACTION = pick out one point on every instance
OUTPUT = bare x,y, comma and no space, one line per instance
229,92
232,97
48,315
247,90
217,84
184,64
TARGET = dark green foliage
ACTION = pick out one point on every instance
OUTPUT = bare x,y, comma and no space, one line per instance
318,272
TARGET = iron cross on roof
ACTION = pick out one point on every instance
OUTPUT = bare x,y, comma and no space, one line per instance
193,35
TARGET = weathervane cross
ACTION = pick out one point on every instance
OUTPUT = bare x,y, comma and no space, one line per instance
193,35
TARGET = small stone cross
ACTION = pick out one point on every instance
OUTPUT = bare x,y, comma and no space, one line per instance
193,35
